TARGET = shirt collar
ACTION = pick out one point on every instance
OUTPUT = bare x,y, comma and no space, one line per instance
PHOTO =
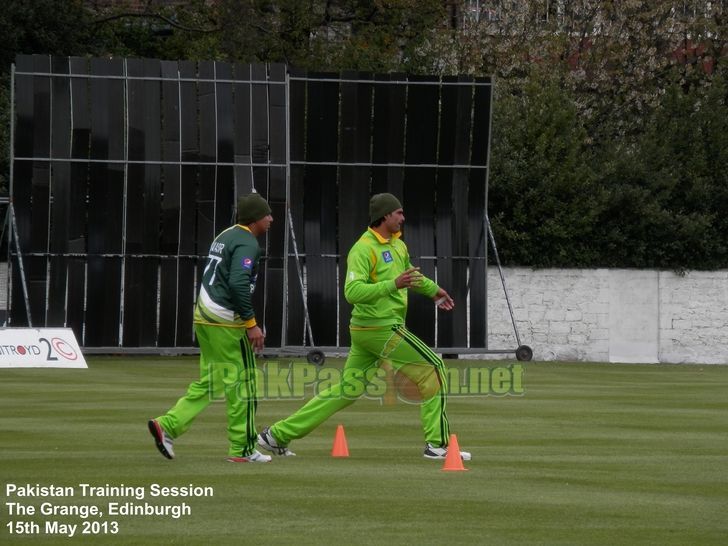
246,228
381,239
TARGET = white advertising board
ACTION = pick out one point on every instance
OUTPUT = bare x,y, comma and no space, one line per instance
40,348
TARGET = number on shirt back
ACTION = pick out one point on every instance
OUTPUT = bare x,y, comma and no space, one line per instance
213,262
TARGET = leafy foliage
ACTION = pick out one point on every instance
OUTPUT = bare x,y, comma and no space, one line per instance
543,196
656,201
367,35
610,134
43,26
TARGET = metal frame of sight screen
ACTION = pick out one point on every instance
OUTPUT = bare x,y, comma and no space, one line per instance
124,170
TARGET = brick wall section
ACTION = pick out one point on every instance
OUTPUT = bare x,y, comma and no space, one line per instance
568,314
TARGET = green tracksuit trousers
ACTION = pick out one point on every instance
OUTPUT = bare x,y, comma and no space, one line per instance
369,347
227,371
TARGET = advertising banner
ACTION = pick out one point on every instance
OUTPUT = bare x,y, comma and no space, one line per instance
40,348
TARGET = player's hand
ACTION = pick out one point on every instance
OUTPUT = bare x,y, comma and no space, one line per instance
256,338
410,278
443,300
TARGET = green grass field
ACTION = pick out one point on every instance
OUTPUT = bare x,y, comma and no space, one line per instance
589,454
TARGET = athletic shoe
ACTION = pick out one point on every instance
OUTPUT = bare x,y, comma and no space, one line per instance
267,441
255,457
163,440
432,452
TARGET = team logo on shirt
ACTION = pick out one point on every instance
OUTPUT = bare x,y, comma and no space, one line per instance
247,263
387,256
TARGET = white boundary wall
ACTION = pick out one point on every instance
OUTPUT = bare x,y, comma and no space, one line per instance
613,315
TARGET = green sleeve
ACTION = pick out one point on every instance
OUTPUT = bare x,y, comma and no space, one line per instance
241,273
359,287
428,287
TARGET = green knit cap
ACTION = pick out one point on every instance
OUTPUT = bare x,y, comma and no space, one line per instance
382,204
251,208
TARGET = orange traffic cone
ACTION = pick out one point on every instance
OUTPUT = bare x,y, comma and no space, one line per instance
340,448
453,461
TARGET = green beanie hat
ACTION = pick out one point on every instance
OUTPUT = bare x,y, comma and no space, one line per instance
382,204
251,208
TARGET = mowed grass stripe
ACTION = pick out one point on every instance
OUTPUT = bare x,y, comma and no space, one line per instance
589,454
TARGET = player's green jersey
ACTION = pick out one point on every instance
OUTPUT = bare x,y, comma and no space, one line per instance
228,280
373,265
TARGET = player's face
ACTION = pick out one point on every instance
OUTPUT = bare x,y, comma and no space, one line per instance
263,225
394,220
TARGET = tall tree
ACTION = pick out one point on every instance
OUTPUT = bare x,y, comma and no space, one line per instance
59,27
376,35
616,55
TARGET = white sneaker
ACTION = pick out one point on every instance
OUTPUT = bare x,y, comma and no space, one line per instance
163,440
255,457
432,452
267,441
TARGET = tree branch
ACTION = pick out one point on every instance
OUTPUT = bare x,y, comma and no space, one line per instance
155,16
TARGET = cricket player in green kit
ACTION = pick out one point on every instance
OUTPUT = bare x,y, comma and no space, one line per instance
378,278
228,335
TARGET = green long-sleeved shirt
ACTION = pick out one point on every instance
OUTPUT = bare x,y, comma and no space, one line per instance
373,265
228,280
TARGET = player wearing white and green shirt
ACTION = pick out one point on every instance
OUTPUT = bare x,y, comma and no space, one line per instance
228,335
228,280
378,278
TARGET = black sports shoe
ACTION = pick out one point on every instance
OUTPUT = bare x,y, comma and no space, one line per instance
163,440
432,452
267,441
255,457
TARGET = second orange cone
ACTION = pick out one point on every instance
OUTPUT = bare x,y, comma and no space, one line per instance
453,460
340,449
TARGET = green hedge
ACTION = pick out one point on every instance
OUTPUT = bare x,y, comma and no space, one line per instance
657,198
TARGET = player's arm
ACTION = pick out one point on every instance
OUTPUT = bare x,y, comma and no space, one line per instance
427,287
422,285
242,261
